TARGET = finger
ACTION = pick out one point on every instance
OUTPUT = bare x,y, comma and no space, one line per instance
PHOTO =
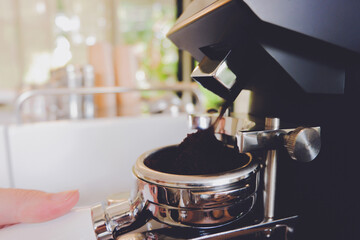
30,206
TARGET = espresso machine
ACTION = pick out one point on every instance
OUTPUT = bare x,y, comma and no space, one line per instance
301,62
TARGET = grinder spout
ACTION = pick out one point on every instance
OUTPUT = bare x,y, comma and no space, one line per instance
217,76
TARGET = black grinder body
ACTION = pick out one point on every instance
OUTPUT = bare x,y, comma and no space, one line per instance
301,61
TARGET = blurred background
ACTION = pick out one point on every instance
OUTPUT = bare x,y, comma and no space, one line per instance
70,71
52,48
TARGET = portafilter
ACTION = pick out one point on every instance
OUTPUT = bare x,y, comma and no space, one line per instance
201,201
211,200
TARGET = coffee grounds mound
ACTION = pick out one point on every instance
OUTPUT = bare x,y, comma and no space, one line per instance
198,154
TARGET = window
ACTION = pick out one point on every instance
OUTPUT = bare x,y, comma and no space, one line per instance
40,35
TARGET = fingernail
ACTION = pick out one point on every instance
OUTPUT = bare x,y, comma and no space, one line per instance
63,196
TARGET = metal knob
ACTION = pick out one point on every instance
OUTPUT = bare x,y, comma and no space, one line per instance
303,144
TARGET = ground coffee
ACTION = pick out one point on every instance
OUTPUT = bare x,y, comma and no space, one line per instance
199,153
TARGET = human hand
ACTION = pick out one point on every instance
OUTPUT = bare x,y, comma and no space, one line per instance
31,206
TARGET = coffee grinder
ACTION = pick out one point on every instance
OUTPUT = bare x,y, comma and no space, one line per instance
300,60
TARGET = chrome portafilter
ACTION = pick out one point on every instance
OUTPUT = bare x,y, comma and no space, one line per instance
210,200
195,201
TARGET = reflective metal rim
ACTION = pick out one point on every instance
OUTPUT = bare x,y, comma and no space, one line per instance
144,173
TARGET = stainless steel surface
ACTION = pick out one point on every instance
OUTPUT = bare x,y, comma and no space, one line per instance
107,218
226,129
70,106
215,76
270,174
101,90
88,81
197,200
201,201
120,214
303,144
74,80
191,181
227,125
255,140
100,223
229,234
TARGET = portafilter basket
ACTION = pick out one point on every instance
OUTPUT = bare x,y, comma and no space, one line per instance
196,201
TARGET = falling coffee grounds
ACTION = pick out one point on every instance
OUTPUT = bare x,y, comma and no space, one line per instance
199,153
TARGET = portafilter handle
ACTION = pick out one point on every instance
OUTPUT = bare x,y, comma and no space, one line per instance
122,216
303,144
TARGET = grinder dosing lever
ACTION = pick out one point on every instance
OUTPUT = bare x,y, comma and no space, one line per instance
303,144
